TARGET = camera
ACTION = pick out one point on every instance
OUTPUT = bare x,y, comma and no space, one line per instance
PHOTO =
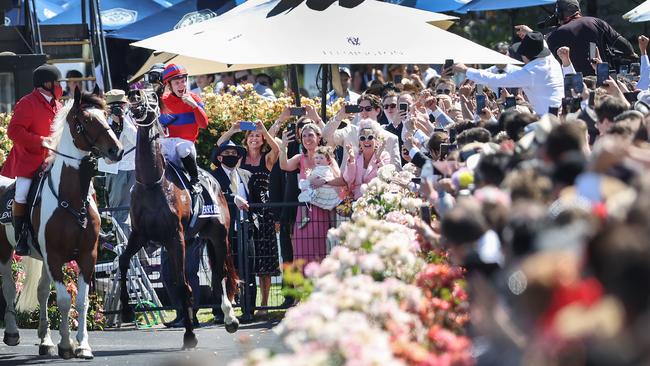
116,110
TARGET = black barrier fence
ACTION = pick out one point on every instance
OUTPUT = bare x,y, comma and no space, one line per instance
261,243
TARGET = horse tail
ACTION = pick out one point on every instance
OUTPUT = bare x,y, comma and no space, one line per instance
28,297
232,279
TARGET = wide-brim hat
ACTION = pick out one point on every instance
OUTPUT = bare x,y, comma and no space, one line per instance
230,145
532,46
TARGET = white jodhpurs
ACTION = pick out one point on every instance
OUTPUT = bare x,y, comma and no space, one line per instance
22,189
175,148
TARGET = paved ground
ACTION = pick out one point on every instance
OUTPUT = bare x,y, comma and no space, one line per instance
151,347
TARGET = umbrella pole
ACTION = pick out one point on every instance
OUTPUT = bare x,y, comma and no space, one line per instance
293,70
325,71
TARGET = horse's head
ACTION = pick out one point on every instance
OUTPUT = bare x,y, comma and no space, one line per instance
89,127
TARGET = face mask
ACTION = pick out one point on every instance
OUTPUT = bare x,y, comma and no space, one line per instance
230,161
58,92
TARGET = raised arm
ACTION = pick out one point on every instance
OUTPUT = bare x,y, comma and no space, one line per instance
288,165
234,128
272,156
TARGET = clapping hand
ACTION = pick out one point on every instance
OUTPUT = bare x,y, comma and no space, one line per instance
563,54
643,44
350,152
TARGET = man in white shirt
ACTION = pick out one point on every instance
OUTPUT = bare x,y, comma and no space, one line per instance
541,77
203,81
348,95
120,177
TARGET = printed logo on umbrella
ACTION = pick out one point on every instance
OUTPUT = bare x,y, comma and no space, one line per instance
118,17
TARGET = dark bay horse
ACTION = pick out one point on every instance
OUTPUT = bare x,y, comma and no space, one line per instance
161,211
65,224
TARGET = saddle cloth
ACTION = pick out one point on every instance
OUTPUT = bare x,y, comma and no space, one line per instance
33,199
205,204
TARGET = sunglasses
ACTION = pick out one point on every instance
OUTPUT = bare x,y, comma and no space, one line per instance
364,138
368,108
390,106
243,78
263,83
443,91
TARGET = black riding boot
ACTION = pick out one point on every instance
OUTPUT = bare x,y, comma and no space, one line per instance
192,169
20,234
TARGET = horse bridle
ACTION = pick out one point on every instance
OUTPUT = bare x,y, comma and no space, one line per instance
148,102
80,129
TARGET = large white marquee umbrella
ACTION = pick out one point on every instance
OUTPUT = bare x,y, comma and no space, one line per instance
194,66
639,14
345,32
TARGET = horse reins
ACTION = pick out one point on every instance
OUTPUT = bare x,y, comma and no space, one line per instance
144,100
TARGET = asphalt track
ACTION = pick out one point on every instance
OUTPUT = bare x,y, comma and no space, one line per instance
159,346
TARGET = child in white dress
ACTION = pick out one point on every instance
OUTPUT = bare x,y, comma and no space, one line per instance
325,197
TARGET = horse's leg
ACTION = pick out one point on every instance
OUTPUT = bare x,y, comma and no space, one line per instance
11,336
223,276
176,250
46,346
64,302
86,269
133,246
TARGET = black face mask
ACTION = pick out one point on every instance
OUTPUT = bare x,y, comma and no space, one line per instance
230,161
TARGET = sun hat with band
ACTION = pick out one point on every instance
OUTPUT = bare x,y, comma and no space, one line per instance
173,71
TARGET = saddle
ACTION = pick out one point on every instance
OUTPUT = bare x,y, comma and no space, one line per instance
203,205
33,199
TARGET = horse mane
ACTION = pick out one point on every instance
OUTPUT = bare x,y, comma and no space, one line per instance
88,101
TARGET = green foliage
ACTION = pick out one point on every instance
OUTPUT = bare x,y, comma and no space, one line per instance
298,286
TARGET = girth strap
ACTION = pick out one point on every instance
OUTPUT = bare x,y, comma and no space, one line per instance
81,215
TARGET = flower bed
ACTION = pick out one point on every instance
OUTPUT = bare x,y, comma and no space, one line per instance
5,143
381,297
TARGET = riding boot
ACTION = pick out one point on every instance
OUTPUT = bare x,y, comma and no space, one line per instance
192,169
18,220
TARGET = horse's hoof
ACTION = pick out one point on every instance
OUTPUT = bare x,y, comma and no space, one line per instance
44,350
11,339
84,353
189,341
232,327
65,353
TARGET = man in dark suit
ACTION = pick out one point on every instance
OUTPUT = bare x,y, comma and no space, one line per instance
234,184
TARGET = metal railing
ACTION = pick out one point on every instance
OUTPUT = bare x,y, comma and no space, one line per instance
260,245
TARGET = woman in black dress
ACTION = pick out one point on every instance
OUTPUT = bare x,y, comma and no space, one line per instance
261,154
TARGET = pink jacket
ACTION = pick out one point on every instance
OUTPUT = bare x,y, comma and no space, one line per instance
355,174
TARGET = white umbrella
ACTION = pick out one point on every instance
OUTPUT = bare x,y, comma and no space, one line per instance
194,66
371,32
639,14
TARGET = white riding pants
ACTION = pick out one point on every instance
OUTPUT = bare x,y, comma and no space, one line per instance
22,189
175,148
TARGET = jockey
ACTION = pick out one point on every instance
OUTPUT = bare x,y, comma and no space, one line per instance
29,129
183,115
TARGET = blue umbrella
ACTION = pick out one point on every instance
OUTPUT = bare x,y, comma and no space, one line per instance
115,13
177,16
484,5
430,5
45,9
